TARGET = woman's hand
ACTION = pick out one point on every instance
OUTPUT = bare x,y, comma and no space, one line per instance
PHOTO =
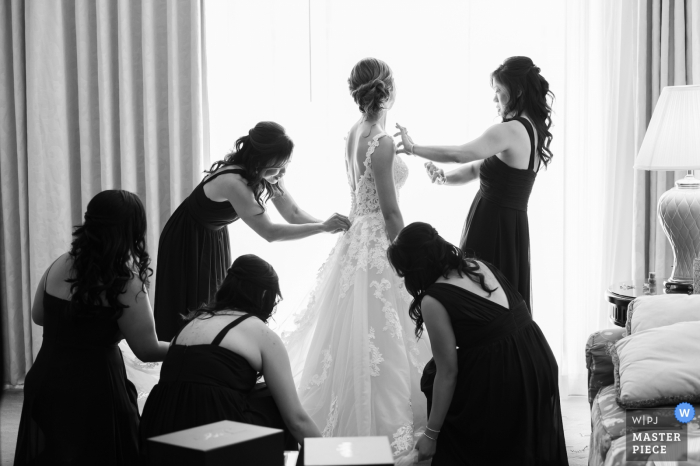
336,223
406,144
437,175
426,448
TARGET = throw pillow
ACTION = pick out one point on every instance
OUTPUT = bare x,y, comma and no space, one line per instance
659,366
648,312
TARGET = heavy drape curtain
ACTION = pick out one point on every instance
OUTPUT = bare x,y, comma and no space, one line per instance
668,54
95,95
619,57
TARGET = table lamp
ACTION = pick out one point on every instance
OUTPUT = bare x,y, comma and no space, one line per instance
672,142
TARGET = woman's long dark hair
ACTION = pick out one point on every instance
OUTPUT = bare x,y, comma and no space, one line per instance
421,256
251,285
528,92
108,250
266,146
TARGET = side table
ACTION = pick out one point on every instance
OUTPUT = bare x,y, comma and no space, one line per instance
620,294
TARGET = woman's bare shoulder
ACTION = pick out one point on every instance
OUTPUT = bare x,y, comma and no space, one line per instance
226,174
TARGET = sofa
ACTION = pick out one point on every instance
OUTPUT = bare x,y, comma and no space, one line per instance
611,368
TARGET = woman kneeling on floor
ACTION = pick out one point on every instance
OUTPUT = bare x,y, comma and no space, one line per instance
215,360
79,407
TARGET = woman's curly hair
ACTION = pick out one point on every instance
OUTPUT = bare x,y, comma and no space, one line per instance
420,256
528,93
267,145
108,250
371,84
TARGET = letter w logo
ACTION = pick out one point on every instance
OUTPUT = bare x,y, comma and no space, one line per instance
685,412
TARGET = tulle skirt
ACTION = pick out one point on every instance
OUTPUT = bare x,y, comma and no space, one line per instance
354,356
144,375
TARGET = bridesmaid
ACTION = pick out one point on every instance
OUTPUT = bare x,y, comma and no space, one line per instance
506,159
79,406
492,387
193,252
213,364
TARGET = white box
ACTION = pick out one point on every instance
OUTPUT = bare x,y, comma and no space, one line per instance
218,444
332,451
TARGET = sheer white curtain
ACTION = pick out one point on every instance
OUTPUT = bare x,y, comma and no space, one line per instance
288,61
598,175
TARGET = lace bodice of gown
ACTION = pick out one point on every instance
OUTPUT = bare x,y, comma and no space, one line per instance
365,200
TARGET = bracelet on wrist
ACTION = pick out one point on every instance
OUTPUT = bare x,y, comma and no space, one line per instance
432,430
413,146
431,438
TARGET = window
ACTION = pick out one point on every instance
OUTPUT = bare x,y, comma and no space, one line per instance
289,60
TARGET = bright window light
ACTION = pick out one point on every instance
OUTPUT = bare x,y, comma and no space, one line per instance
289,60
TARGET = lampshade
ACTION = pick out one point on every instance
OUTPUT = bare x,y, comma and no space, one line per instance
672,140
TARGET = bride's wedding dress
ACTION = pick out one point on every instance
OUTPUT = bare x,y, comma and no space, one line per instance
354,356
144,375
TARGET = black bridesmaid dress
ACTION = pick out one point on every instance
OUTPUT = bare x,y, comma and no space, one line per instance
202,384
79,407
497,228
505,409
193,257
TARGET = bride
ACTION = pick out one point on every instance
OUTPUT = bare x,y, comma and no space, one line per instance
356,362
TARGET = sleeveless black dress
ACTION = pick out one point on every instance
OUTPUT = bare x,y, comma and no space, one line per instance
202,384
193,256
497,228
505,409
79,407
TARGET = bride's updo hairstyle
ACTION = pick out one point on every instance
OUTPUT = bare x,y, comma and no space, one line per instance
251,285
108,250
528,92
371,83
265,146
421,256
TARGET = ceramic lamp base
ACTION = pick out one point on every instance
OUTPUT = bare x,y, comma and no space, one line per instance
679,213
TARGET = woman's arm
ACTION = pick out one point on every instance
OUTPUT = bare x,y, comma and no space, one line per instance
270,231
443,344
278,376
496,139
38,304
137,325
290,210
243,201
457,177
383,170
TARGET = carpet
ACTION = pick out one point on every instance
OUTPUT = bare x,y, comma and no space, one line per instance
575,415
10,412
